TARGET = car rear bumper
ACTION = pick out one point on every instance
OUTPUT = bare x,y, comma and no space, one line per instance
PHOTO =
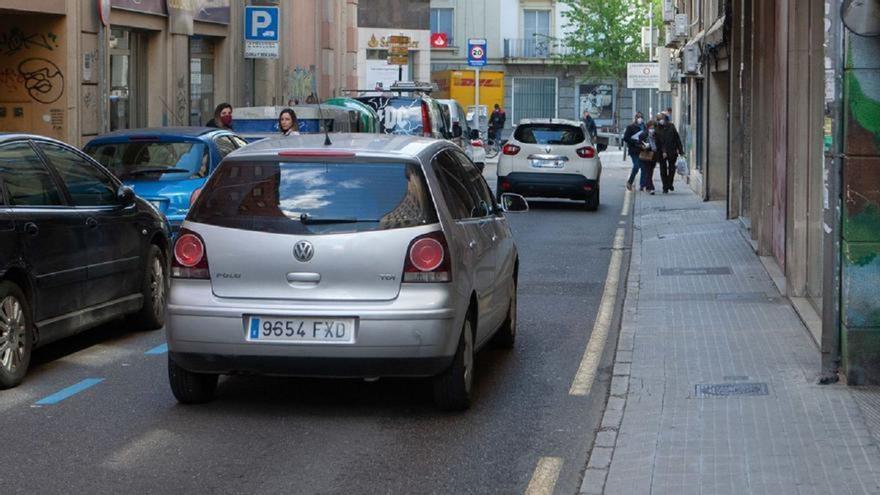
395,338
545,185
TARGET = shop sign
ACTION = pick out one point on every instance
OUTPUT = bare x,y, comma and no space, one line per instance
439,40
261,32
146,6
385,41
643,75
180,16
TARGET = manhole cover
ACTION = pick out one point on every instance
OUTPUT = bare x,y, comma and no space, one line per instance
704,390
708,270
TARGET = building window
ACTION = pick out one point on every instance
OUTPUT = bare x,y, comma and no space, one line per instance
201,80
127,80
443,21
536,33
533,98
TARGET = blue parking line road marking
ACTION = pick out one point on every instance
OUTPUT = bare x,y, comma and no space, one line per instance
159,349
69,391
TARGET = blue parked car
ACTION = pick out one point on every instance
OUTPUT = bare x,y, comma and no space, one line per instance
164,165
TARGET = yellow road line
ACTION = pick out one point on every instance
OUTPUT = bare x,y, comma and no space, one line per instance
544,478
586,373
626,203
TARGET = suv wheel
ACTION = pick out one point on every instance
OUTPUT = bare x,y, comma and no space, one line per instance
154,290
592,202
189,387
453,388
16,337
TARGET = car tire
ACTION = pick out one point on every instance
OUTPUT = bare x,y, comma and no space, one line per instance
453,389
16,335
155,291
189,387
592,203
480,166
505,337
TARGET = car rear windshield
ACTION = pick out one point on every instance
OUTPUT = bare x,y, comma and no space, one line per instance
559,134
315,198
153,161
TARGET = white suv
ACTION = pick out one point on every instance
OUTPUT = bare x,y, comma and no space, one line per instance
551,158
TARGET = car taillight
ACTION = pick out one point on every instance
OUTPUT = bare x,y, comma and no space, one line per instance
586,152
505,185
477,142
427,259
426,121
194,196
190,258
510,149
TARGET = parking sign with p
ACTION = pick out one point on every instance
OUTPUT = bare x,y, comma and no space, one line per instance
261,34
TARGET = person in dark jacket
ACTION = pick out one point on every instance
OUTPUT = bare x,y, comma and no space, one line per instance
590,125
648,145
222,117
496,123
668,150
631,138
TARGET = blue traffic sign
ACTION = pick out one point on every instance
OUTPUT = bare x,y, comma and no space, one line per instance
261,23
477,52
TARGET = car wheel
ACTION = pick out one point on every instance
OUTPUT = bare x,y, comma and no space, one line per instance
480,166
155,291
592,203
189,387
506,335
454,387
16,337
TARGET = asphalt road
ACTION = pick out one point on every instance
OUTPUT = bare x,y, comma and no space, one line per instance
127,434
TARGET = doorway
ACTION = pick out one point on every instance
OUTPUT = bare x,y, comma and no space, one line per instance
128,103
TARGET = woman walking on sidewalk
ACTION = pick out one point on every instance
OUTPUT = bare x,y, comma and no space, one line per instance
648,156
631,137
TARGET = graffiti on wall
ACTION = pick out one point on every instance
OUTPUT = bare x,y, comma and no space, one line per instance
300,83
43,79
16,40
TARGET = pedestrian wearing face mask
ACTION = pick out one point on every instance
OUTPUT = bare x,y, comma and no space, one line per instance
648,156
631,136
222,117
668,150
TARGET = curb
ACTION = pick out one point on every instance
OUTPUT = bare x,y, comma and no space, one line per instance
599,461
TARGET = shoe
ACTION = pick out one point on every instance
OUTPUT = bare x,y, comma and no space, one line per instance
666,191
652,192
641,189
672,188
629,187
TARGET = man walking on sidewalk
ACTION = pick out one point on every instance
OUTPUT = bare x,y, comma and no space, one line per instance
668,149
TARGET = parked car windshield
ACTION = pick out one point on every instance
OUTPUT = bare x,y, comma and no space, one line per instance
153,161
315,198
559,134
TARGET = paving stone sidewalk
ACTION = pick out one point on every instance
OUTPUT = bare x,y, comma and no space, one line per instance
714,388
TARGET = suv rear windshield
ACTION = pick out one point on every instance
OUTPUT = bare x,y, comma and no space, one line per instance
153,161
315,198
558,134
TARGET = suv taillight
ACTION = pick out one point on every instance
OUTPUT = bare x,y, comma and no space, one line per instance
510,149
586,152
427,259
426,120
190,258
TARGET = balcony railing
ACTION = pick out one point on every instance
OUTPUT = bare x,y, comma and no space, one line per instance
534,48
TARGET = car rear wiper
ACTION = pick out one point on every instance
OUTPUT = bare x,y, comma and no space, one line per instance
307,219
158,170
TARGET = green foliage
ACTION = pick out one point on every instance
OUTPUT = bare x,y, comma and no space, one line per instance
606,34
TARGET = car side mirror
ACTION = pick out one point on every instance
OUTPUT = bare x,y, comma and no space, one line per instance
514,203
456,130
601,147
125,194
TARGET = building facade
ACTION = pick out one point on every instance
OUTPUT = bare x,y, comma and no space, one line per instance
777,100
378,21
72,71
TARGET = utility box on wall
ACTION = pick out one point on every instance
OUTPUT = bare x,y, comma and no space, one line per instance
16,117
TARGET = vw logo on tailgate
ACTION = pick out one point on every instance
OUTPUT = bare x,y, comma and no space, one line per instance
303,251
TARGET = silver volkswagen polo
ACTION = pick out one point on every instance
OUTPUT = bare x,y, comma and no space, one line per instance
375,256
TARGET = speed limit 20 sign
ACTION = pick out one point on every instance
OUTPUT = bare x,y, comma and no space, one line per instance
477,52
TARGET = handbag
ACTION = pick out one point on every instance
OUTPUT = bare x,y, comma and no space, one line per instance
646,155
681,166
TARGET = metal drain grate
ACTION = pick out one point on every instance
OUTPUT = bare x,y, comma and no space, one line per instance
707,270
705,390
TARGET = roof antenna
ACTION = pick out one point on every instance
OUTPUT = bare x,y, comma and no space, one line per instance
321,115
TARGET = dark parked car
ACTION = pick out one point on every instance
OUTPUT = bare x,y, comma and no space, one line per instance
77,248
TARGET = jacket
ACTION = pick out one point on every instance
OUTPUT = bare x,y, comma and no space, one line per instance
632,145
668,140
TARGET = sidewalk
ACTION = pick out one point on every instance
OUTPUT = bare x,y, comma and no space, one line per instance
714,388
